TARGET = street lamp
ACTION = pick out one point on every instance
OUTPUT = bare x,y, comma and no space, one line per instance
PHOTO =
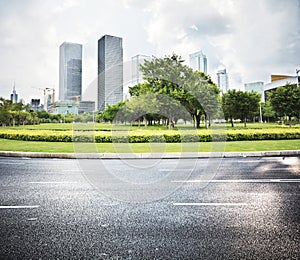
297,71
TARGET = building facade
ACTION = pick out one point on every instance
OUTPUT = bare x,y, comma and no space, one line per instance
70,71
110,71
223,80
293,80
256,86
66,107
198,61
14,95
136,61
86,107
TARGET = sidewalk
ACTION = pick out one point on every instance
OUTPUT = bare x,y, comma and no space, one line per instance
283,153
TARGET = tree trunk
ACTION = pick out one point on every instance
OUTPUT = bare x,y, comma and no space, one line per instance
231,121
245,122
170,123
197,117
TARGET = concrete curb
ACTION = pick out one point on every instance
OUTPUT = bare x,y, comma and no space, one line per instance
284,153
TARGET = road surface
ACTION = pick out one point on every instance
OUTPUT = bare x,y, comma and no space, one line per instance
230,208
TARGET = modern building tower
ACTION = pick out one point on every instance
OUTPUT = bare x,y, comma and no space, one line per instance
136,61
198,61
70,71
223,80
110,71
14,95
257,87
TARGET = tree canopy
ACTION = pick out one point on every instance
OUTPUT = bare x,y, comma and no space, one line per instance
240,105
192,90
285,101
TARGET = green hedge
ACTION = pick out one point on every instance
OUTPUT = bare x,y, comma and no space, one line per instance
146,137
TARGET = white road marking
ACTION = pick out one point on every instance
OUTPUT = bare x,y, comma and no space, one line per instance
51,182
20,207
71,170
32,219
175,170
207,204
240,181
253,161
14,163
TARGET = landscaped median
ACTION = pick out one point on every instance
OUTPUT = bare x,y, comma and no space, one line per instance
150,136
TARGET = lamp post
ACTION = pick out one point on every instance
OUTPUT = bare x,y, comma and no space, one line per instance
297,71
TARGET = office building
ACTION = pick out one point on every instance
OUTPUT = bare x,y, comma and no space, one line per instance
223,80
14,95
35,105
136,61
66,107
110,71
86,107
257,87
269,87
198,61
70,71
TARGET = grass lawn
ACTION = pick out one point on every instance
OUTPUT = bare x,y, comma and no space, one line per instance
109,127
62,147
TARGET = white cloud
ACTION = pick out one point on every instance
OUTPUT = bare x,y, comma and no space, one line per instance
251,38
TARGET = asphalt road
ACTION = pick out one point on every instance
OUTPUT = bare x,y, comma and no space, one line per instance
231,208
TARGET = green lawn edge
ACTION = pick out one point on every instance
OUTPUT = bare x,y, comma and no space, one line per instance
234,146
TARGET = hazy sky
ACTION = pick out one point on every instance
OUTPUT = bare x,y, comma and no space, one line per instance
251,38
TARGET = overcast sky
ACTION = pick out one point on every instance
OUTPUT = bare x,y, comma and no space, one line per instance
251,38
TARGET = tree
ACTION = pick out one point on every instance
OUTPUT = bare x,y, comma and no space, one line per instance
267,110
240,105
168,76
109,114
286,101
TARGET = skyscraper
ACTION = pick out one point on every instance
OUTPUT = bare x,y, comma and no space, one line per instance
70,71
256,86
110,71
223,80
14,95
136,61
198,61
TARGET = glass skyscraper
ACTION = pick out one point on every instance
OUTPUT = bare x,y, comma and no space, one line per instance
223,80
70,71
14,95
256,86
198,61
136,61
110,71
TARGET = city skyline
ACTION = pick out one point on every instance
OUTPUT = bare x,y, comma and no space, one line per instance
252,39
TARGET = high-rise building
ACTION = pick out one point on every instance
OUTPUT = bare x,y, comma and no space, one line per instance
223,80
14,95
257,87
70,71
136,61
110,71
198,61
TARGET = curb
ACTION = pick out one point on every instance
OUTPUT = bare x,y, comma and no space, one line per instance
284,153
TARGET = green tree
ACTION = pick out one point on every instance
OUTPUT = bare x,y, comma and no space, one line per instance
267,110
240,105
109,114
168,76
285,101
